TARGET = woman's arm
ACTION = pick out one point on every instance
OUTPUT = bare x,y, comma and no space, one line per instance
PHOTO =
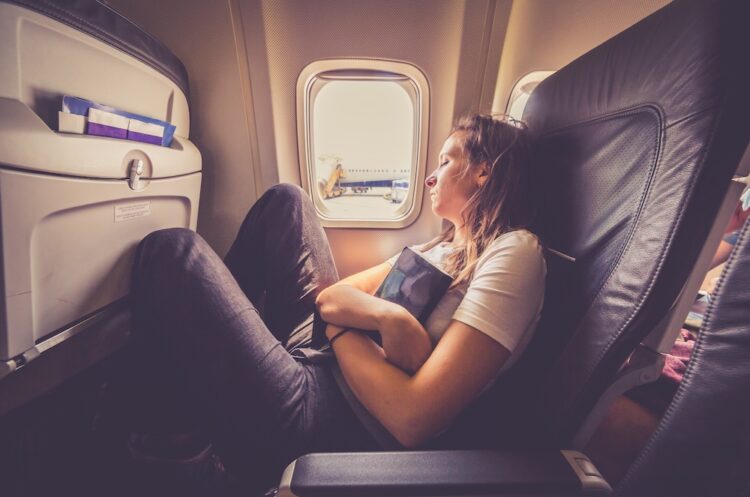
503,300
415,408
722,254
350,303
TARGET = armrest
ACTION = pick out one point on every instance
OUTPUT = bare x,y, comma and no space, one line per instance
436,473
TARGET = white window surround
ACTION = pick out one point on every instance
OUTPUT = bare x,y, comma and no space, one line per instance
521,92
311,81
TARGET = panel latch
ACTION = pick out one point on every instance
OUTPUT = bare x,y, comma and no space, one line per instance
136,170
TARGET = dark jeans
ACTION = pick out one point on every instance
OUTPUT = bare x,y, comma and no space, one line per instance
226,345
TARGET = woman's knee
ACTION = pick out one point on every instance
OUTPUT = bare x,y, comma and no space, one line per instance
285,195
169,238
282,204
286,189
165,245
164,262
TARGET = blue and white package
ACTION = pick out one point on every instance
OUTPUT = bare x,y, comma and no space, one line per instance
81,106
102,123
145,132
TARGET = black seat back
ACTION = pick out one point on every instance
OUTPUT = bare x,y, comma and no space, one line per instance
702,444
636,144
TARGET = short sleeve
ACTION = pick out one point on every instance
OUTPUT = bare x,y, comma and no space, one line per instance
732,237
504,298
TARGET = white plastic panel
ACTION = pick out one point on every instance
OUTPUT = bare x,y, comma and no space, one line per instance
27,143
69,219
43,59
67,245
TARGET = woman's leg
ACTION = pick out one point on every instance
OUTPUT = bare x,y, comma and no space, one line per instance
207,351
281,260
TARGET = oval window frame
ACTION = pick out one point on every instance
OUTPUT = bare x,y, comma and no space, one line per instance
308,85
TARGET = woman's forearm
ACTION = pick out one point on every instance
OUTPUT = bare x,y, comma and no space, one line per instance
414,408
348,306
387,392
405,341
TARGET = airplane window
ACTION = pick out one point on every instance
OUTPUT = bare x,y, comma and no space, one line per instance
519,97
362,137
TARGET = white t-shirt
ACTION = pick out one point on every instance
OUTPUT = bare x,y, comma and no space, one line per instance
504,297
503,300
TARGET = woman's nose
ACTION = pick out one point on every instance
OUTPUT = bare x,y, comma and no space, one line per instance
430,181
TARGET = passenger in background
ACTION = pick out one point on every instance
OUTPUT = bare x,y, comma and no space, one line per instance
633,417
740,214
230,349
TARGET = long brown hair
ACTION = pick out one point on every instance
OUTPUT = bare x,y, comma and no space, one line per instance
503,202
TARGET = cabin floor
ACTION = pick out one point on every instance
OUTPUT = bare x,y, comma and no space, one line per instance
73,441
69,441
53,445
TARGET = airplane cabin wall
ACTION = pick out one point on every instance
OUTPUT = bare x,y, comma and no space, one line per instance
447,39
244,56
201,34
545,36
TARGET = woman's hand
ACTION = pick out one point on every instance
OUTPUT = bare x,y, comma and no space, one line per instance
405,341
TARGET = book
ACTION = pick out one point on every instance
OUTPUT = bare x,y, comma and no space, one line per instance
416,284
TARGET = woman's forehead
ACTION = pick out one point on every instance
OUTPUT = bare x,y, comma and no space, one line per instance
453,145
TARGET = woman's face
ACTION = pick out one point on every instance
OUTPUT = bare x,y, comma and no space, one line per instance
450,186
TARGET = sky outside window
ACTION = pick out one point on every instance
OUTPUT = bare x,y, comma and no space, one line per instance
368,124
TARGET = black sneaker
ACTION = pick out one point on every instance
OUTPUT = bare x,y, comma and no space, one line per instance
185,470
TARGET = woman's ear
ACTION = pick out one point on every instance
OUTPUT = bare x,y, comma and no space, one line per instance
482,174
